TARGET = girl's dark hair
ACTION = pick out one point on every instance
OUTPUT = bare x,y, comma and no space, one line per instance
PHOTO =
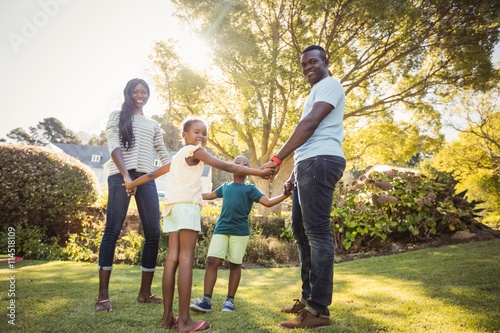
187,123
127,113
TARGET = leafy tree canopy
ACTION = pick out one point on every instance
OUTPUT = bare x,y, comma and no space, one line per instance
47,130
392,57
474,159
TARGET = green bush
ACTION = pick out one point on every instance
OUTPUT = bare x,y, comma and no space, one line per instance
270,251
32,243
396,206
84,246
44,189
129,248
269,226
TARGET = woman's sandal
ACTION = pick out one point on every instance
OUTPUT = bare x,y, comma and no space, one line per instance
149,299
104,305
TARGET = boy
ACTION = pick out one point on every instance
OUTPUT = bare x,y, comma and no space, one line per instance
231,234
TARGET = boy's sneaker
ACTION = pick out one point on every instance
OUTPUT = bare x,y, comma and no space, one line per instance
305,319
228,305
201,305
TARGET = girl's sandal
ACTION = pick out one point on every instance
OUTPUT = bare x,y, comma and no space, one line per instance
104,305
149,299
173,324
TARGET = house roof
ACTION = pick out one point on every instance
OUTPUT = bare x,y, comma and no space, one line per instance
85,153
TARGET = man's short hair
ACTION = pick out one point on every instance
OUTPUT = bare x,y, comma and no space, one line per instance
316,47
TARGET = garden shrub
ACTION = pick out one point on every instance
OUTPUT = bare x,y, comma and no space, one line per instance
32,243
282,252
268,225
44,189
129,248
270,251
397,206
84,246
256,248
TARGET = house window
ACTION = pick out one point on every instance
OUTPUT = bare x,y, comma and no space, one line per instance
157,163
96,158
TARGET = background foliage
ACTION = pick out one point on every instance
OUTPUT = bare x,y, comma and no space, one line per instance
403,64
370,214
408,67
46,131
396,206
474,158
43,189
397,60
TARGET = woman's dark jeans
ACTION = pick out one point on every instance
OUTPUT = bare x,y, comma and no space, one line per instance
315,180
148,206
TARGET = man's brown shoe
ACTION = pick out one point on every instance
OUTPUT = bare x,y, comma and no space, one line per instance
295,308
305,319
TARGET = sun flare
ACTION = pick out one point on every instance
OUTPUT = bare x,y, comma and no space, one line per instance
195,53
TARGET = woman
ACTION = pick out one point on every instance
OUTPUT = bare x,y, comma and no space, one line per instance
132,141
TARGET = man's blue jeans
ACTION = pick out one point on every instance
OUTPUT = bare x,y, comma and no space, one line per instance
148,206
315,180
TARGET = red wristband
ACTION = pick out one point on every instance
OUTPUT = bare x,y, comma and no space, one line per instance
276,160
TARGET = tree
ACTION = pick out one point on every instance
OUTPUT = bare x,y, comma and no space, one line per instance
47,130
474,159
391,56
53,130
20,136
370,145
98,141
481,112
171,134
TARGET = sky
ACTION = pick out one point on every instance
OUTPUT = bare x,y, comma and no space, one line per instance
71,59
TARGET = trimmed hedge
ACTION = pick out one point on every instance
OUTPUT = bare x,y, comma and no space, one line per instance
44,189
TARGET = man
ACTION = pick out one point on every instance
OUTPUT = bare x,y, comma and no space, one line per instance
319,165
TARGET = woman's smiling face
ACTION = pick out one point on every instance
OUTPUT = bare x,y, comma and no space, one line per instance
140,95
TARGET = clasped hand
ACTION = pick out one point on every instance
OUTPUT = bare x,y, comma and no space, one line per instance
130,190
275,168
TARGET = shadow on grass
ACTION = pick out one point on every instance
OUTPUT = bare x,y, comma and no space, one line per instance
464,276
60,296
22,263
261,296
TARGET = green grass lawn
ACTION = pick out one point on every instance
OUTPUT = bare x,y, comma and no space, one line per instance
448,289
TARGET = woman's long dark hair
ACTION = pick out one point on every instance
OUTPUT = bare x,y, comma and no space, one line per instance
127,113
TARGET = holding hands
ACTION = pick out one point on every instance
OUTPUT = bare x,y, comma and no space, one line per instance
274,167
267,173
273,164
289,185
130,190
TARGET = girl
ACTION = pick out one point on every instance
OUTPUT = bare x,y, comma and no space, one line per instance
182,217
132,140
